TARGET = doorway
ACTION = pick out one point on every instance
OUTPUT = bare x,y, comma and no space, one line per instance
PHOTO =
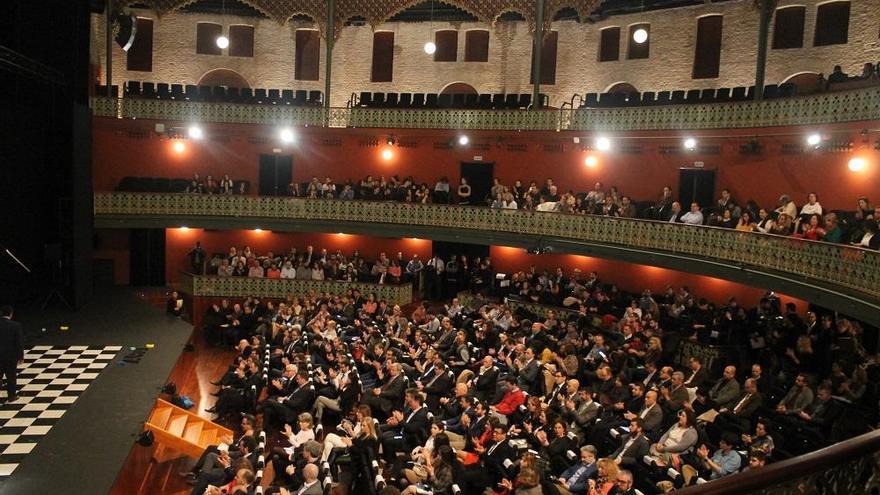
479,176
696,184
276,173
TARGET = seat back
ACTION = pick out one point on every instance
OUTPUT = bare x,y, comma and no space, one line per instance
693,96
471,100
191,92
391,99
771,91
301,97
525,100
485,100
511,101
148,89
177,92
787,90
274,95
591,100
316,97
378,99
497,100
205,93
133,88
722,94
405,100
260,95
287,96
366,99
458,100
707,95
418,100
432,100
738,93
444,101
664,98
678,96
648,98
219,93
163,91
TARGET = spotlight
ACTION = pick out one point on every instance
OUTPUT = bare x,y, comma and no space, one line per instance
387,154
857,164
179,147
195,132
390,141
690,144
287,135
640,36
591,161
463,140
430,48
258,230
814,139
184,227
603,144
222,42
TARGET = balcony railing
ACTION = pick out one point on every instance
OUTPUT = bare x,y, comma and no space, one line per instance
214,286
826,108
842,266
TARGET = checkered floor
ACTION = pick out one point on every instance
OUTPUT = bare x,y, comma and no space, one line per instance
49,382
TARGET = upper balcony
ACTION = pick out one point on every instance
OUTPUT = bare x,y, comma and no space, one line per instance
841,277
826,108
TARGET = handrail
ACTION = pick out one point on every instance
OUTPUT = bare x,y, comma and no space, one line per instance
844,266
215,286
842,468
825,108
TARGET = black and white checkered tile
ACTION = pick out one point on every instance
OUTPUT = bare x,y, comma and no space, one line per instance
49,382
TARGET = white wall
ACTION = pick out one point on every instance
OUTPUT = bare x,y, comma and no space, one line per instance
673,37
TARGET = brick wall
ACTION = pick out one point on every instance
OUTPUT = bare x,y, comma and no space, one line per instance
673,36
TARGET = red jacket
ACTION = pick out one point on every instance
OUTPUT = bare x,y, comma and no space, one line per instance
512,399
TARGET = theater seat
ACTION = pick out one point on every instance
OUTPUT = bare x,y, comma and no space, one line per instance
497,100
260,96
247,95
632,99
591,100
432,100
365,100
378,99
219,93
191,92
444,101
471,101
664,98
205,93
458,100
787,90
133,88
693,96
301,97
163,91
750,93
316,97
707,96
274,96
148,90
287,96
678,96
391,99
418,100
525,100
484,101
177,92
648,98
405,100
771,91
722,94
233,95
511,101
738,93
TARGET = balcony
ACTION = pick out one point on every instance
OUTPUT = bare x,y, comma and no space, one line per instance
827,108
836,276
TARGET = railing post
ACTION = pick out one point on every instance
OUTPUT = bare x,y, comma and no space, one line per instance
766,7
108,64
536,59
331,6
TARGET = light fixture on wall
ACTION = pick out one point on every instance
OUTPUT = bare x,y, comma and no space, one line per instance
814,140
430,47
690,144
640,35
603,143
195,132
287,135
857,164
463,140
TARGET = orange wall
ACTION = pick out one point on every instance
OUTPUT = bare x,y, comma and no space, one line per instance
114,245
632,277
178,243
357,152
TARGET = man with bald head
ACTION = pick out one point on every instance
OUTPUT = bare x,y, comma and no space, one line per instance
722,395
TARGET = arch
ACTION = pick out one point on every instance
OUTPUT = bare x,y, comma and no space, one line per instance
807,82
458,88
223,77
622,87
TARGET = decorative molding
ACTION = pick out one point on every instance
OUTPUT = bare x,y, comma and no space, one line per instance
843,266
214,286
826,108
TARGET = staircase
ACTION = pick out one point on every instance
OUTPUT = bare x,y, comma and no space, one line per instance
183,431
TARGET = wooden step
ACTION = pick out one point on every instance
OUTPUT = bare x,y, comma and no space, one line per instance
183,431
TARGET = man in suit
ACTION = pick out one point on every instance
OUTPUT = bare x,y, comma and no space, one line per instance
226,467
486,382
311,485
798,398
406,430
437,386
651,414
384,399
276,413
529,376
722,394
573,481
698,375
11,350
633,446
675,394
581,416
738,417
493,457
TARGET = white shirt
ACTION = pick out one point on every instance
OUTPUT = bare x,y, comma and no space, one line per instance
814,209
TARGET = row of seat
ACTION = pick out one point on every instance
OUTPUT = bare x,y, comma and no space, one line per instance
191,92
498,101
648,98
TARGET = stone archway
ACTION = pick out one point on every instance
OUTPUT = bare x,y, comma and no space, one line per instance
223,77
807,82
622,87
458,88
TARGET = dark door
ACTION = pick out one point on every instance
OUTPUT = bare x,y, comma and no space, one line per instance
276,172
696,184
479,175
147,260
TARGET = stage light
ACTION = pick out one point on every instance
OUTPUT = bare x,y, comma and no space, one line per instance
591,161
857,164
387,154
287,135
222,42
179,147
195,132
690,144
463,140
814,139
430,48
640,36
390,141
258,230
184,228
603,144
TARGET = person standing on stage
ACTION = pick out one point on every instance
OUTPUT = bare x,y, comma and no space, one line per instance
11,350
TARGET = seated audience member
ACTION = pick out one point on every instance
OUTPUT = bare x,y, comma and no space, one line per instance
174,305
227,469
723,462
693,217
633,445
812,207
240,484
837,75
787,206
679,438
765,222
674,214
284,410
575,479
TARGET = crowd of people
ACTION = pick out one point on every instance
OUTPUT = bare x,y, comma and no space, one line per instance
601,397
785,218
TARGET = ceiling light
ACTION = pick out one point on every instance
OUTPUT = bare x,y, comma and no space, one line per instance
690,143
286,135
857,164
222,42
603,144
195,132
463,140
430,48
640,36
814,139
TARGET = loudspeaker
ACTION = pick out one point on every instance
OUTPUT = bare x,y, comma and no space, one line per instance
125,27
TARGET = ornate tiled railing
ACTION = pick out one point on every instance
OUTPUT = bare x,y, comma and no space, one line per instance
826,108
213,286
834,264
